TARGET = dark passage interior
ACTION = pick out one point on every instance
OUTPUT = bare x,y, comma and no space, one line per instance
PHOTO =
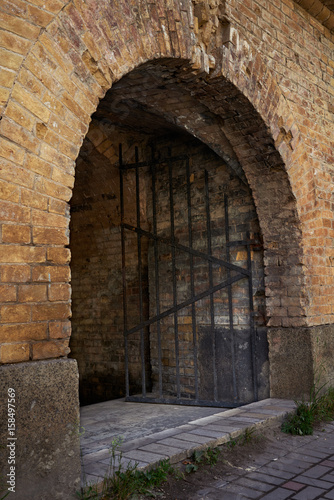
185,320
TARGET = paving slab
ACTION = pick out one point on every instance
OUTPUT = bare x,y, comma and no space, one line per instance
152,432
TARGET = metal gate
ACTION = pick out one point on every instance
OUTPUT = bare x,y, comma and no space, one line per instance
180,336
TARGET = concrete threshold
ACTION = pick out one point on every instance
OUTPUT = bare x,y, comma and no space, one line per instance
182,432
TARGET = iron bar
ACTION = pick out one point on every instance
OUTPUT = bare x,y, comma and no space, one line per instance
154,162
251,320
172,236
126,351
234,274
230,303
196,253
212,306
185,303
192,284
140,279
156,268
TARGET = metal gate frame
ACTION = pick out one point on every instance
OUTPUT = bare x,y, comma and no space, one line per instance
171,242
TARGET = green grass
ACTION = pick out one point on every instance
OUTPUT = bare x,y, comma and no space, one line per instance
319,408
121,483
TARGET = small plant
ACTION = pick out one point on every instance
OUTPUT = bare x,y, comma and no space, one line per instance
301,422
208,457
122,483
246,437
319,408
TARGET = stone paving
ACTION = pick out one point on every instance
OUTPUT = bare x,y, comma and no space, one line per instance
175,436
299,469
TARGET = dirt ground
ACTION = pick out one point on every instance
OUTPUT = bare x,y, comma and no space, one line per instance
237,458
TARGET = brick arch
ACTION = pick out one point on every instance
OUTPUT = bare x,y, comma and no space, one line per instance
61,73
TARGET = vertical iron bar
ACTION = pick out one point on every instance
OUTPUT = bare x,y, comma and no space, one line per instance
156,267
212,310
251,318
172,229
126,351
140,277
230,307
192,283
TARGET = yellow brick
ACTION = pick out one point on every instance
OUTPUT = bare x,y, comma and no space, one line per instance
14,353
10,60
33,199
72,105
18,26
16,313
58,274
59,255
4,95
49,236
13,212
9,192
53,189
15,274
93,48
50,311
45,219
32,293
20,115
58,207
41,54
50,154
62,177
49,137
68,149
59,292
38,16
19,135
30,83
21,254
60,329
53,6
36,164
7,77
52,103
11,151
20,332
14,42
16,234
62,129
57,54
50,349
8,293
27,100
15,174
65,81
43,76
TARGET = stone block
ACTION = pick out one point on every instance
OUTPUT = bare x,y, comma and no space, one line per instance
47,461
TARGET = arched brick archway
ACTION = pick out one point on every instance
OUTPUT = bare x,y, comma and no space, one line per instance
58,64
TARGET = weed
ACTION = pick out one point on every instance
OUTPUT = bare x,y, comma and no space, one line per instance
208,457
246,437
122,483
301,422
320,407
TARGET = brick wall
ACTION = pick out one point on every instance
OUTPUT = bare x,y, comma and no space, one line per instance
263,69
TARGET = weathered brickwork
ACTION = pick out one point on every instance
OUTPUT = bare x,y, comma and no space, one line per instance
264,70
57,63
252,79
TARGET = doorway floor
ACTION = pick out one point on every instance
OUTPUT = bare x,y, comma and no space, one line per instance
153,432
